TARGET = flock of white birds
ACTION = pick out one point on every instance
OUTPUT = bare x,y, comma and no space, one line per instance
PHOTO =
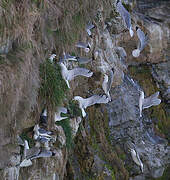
42,136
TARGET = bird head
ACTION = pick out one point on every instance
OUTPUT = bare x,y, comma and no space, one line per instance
87,50
142,94
44,112
136,53
77,98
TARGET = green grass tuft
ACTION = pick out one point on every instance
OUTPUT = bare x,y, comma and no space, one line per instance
53,87
74,110
65,124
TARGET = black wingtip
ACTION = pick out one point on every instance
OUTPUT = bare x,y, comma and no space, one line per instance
137,28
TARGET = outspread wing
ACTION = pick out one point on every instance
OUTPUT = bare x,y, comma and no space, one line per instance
83,60
79,72
143,39
110,80
81,45
90,26
125,14
151,101
96,99
32,152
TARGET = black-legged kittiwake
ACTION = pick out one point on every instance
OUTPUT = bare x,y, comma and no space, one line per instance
89,26
107,83
57,116
95,99
69,75
143,39
25,162
51,58
136,158
148,102
43,117
126,17
41,132
85,46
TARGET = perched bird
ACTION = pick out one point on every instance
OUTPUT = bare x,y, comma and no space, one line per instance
83,60
41,132
95,99
52,58
88,29
85,46
69,75
148,102
43,117
143,39
57,116
126,17
136,158
107,83
68,57
25,162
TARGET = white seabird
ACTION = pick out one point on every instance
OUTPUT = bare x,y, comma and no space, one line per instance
57,116
136,158
88,28
126,17
51,58
95,99
148,102
143,39
85,46
107,83
41,132
69,75
43,117
25,162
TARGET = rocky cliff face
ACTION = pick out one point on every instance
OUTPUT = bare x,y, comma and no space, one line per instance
31,31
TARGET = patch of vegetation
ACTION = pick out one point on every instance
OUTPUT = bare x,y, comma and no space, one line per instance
111,171
53,87
65,124
25,136
127,7
73,109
